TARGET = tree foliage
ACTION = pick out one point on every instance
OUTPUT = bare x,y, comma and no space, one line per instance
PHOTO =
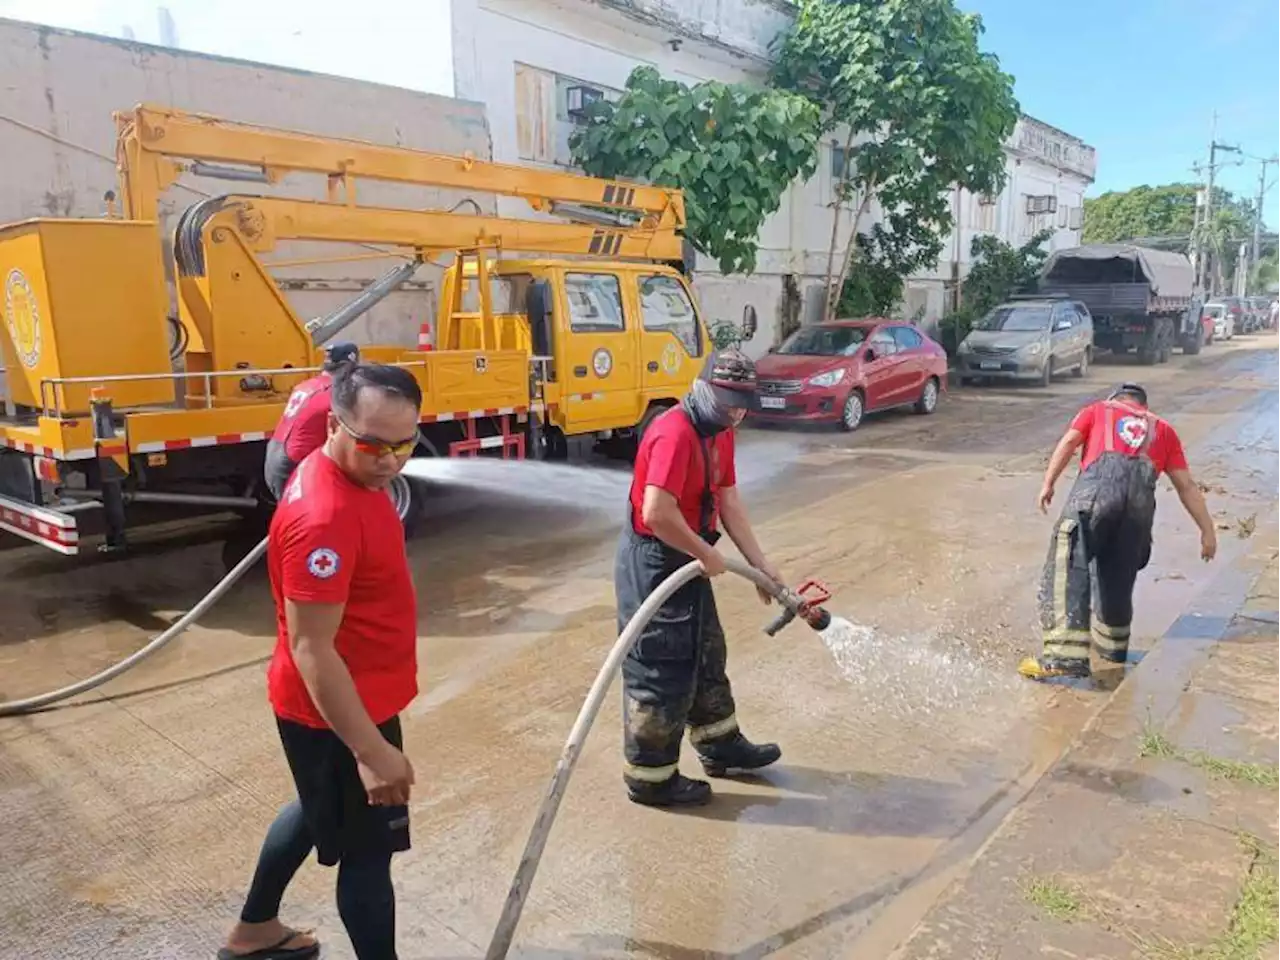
921,110
998,271
1166,212
733,150
1165,217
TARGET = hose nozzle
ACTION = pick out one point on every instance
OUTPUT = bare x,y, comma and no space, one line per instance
804,602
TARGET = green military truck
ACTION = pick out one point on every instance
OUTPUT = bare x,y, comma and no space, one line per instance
1142,300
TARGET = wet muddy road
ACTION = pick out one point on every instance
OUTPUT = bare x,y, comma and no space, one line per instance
130,827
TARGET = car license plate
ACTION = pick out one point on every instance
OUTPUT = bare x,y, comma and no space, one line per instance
990,365
773,403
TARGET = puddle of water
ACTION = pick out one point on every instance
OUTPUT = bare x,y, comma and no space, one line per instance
908,676
588,488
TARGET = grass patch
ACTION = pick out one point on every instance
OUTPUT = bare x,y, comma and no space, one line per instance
1254,919
1154,743
1054,897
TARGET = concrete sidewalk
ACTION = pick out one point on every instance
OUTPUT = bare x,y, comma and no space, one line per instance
1155,835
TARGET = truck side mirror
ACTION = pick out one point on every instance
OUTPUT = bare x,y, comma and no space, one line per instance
750,322
537,305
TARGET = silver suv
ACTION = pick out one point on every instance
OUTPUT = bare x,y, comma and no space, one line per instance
1031,338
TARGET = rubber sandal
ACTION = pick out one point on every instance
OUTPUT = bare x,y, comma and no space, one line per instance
276,952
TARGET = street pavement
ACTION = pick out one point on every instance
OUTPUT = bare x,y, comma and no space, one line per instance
131,819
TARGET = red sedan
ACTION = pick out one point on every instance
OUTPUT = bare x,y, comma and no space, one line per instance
839,371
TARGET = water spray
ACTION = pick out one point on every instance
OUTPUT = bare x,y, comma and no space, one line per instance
805,602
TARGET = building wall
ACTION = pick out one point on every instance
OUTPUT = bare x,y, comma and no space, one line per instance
520,57
57,138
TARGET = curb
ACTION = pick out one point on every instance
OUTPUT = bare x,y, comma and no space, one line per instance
1156,682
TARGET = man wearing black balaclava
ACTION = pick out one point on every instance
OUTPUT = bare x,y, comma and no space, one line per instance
675,674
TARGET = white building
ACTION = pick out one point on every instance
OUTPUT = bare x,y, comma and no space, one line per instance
528,59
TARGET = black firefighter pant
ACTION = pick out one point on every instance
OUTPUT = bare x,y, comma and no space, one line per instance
1100,543
675,674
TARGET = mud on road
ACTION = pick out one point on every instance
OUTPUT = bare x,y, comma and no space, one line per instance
130,826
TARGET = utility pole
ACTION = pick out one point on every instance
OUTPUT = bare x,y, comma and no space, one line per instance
1204,278
1255,253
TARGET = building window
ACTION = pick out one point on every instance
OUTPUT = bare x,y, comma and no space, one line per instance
982,212
665,308
549,106
1075,218
1039,214
595,302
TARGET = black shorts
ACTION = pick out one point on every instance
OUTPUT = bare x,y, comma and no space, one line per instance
333,799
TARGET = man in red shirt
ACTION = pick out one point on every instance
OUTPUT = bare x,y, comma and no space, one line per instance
1106,527
305,422
675,674
344,667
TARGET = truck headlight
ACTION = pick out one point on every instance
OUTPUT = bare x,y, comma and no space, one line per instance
828,379
965,347
1032,349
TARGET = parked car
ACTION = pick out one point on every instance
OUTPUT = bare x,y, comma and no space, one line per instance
1224,321
1261,307
1237,309
837,372
1028,339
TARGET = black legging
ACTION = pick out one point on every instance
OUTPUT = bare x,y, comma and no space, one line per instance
366,899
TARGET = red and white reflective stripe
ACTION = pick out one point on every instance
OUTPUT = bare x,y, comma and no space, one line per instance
585,396
51,529
473,414
51,452
424,336
160,446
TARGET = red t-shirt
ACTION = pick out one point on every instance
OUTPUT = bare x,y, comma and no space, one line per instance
670,457
304,424
334,541
1128,427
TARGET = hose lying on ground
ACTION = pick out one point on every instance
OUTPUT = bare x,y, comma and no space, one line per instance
505,931
27,705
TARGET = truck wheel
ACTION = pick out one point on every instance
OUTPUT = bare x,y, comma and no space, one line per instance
1046,378
1083,368
408,499
1191,343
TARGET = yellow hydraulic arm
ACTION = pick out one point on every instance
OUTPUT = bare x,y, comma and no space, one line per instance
155,145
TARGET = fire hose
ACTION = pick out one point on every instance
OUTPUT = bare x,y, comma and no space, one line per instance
804,602
30,704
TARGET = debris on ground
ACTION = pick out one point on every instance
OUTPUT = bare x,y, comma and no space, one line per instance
1246,525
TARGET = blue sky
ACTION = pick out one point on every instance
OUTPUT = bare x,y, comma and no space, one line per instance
1139,80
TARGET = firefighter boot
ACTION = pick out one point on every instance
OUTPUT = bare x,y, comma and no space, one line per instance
736,752
676,791
1049,668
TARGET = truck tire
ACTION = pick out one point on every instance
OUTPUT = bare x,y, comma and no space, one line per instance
1192,343
1082,369
409,499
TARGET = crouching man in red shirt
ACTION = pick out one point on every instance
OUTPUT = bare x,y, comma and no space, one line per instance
1103,538
684,483
344,667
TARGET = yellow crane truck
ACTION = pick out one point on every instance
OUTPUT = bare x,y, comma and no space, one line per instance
116,395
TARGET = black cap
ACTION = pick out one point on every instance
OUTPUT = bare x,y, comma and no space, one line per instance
340,352
1135,390
732,376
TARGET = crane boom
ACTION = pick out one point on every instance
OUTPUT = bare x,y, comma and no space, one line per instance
155,145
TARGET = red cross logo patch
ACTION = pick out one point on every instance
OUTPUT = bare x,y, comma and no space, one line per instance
322,563
296,400
1132,431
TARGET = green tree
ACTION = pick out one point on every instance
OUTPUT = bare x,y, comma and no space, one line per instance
920,108
998,270
733,150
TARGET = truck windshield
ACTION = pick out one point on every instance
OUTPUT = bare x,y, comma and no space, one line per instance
822,341
1016,318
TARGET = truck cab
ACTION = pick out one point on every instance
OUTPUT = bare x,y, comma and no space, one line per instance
611,344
